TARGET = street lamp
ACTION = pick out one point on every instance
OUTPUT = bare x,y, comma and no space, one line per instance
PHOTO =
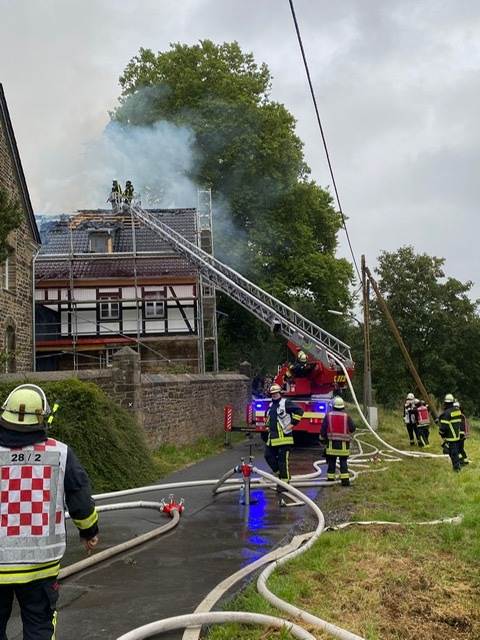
367,370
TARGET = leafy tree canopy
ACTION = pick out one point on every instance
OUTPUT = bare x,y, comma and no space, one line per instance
438,323
10,219
271,222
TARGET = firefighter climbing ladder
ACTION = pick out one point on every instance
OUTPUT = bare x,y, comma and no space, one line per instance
278,316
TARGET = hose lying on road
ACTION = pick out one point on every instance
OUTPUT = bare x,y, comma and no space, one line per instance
124,546
215,617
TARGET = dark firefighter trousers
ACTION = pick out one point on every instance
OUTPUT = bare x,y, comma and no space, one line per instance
412,432
332,463
453,452
38,601
278,459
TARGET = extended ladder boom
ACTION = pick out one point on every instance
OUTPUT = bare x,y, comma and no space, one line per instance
278,316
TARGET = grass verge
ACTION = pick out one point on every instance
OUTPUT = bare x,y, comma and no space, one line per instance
388,582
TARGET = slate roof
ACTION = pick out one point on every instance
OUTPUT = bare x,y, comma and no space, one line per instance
66,235
61,236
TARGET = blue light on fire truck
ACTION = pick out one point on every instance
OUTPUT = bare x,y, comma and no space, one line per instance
258,405
321,407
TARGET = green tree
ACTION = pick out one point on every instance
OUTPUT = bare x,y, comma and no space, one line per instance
438,323
10,219
271,223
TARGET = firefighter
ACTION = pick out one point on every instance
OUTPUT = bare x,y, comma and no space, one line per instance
281,416
299,369
449,430
464,434
335,433
409,419
422,421
115,196
128,192
37,475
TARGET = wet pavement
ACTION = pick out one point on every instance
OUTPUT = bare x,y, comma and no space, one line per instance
171,575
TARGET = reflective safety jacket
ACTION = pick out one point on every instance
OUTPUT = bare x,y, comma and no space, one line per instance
450,421
36,480
280,418
336,429
423,419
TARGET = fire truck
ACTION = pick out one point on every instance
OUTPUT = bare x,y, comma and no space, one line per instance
328,358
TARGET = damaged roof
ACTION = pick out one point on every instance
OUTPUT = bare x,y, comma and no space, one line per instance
66,246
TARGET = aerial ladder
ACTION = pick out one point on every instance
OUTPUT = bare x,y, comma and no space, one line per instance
300,332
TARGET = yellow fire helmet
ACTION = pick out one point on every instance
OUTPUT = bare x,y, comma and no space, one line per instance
275,388
302,356
25,409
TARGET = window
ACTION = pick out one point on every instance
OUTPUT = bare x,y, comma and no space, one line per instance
100,243
109,308
154,304
8,271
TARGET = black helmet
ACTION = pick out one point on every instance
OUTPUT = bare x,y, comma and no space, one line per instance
128,182
115,181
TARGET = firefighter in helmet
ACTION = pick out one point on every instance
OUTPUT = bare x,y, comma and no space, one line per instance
449,429
128,192
335,434
464,434
422,422
299,369
32,520
409,417
115,196
281,416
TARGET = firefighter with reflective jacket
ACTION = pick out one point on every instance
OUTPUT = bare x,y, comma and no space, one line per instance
409,419
128,192
464,434
422,420
115,196
449,430
281,416
335,433
38,475
299,369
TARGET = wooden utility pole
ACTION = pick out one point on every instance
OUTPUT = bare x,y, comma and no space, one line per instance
399,340
367,364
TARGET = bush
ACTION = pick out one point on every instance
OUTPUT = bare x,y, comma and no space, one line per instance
103,435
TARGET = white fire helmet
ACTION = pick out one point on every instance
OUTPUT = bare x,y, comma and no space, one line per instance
25,409
338,403
449,399
410,396
302,356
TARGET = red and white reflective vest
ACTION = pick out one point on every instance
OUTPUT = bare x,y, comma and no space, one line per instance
422,415
32,520
337,426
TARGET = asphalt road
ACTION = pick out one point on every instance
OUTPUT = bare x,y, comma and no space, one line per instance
172,574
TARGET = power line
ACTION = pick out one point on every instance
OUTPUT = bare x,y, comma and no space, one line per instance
312,92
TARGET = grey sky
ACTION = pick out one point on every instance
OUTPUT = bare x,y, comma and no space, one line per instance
396,82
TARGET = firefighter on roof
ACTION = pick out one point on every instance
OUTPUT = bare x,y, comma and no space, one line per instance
335,433
281,416
128,192
115,196
38,476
